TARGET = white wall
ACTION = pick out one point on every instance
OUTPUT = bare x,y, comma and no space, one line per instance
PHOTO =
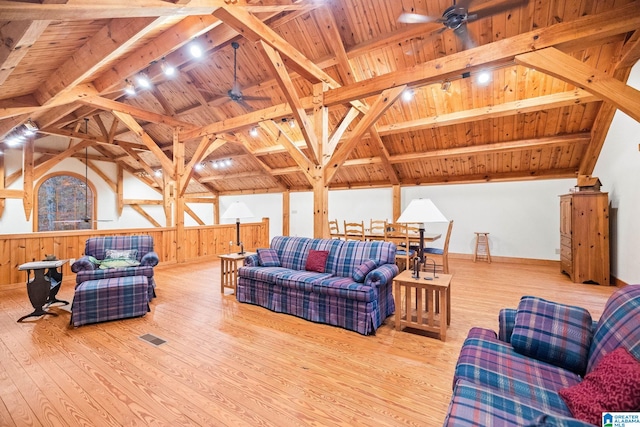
522,218
618,168
261,205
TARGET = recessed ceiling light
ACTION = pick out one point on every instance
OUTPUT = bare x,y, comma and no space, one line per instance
195,50
484,77
143,81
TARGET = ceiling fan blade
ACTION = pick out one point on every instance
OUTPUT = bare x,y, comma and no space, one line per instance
211,92
463,3
416,18
463,34
255,98
488,10
244,104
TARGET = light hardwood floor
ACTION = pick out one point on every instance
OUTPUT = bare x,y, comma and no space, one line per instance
234,364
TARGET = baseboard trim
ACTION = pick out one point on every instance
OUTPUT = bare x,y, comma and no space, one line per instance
509,260
617,282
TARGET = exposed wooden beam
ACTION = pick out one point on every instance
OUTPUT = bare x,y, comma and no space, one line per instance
286,84
131,123
382,103
44,167
27,177
17,38
206,147
384,156
278,135
145,215
149,116
558,64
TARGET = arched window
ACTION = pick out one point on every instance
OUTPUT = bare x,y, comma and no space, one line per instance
65,203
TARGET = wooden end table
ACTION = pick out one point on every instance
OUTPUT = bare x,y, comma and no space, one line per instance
427,303
229,269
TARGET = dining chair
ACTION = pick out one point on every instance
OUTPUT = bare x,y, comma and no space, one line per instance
441,255
354,231
399,234
334,230
377,229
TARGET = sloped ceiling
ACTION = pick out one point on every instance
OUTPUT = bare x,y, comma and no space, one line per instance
556,76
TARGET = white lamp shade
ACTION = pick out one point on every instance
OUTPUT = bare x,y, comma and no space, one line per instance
237,210
421,211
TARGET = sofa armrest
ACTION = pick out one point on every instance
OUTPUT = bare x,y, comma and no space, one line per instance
557,421
252,261
83,263
382,275
506,322
150,259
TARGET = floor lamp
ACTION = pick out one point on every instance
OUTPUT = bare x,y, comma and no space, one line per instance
238,210
421,211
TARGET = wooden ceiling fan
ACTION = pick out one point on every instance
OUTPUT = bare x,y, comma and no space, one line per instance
456,17
235,94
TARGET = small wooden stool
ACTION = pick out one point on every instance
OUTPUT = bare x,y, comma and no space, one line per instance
482,247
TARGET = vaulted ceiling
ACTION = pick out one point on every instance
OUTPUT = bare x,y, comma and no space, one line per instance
337,70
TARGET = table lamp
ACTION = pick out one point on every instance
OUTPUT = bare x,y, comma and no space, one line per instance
421,211
238,210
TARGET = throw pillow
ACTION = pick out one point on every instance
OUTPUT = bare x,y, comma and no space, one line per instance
555,333
268,258
363,269
121,254
316,260
118,263
612,386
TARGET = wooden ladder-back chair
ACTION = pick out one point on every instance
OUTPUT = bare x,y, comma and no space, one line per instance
334,230
441,256
378,229
399,234
354,231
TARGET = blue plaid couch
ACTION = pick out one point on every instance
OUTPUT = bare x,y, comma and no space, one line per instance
333,297
494,385
95,250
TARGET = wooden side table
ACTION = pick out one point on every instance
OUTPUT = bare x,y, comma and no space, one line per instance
229,269
427,303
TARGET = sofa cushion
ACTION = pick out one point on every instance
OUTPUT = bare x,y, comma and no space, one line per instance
268,258
487,361
354,253
618,326
363,269
333,246
263,274
316,260
303,280
292,251
118,262
82,276
97,246
480,406
555,333
345,287
614,385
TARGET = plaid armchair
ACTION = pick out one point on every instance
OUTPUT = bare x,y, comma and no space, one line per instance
91,266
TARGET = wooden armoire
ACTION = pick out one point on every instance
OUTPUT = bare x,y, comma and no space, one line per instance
584,237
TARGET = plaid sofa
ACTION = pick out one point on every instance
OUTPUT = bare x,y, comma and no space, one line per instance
96,247
333,297
496,386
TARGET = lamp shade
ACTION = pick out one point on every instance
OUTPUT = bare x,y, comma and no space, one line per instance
421,211
237,210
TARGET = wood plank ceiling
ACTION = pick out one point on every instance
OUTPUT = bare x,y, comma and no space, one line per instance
557,71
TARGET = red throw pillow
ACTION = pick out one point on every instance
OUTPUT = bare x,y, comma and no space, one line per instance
614,385
316,260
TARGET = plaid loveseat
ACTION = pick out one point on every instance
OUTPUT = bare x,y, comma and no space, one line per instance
495,385
88,266
333,297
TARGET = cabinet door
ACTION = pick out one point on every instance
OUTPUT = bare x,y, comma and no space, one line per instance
566,257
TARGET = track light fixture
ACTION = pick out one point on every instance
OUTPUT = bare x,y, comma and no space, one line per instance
143,81
129,88
407,95
253,132
446,85
195,50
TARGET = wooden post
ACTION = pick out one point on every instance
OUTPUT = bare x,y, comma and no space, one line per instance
120,190
286,213
178,164
27,169
320,191
2,183
397,202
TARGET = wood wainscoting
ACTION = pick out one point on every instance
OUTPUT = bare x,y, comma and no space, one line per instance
201,241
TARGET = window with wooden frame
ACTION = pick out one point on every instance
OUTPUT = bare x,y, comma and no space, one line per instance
65,202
